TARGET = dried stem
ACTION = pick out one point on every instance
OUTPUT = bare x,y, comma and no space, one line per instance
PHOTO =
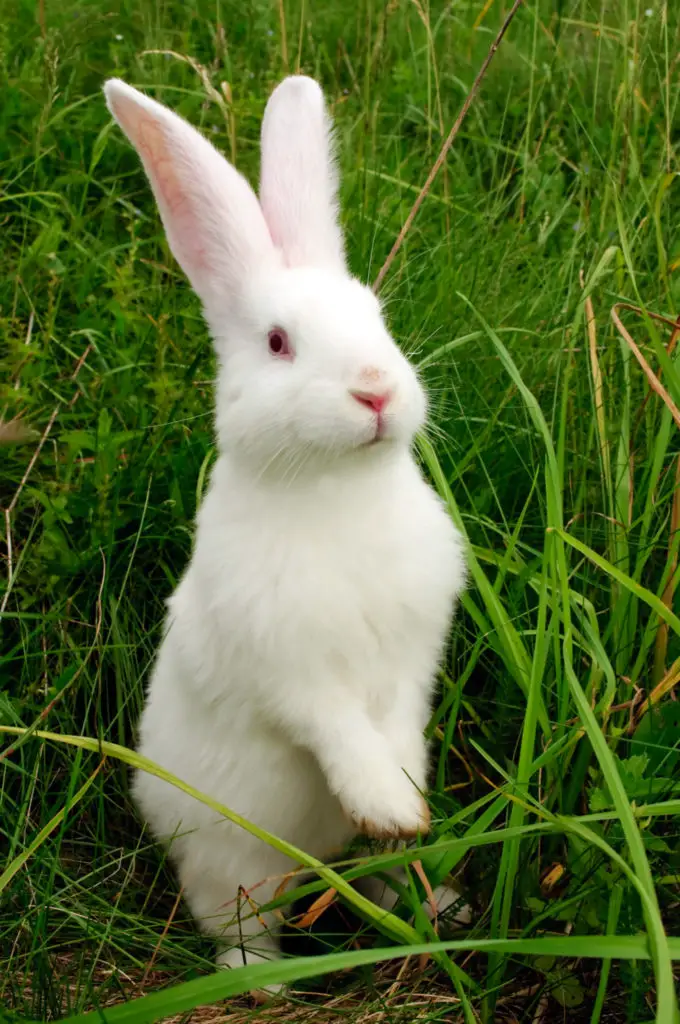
597,386
284,42
661,643
445,148
161,937
654,381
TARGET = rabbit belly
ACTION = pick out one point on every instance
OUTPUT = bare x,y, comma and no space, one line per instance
227,754
239,762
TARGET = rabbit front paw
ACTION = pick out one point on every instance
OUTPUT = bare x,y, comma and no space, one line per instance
388,808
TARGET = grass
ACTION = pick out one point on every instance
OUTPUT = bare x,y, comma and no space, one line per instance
556,736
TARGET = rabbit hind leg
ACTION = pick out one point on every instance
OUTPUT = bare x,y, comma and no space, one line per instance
228,910
443,897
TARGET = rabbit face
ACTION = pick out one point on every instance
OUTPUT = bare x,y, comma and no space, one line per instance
311,371
308,370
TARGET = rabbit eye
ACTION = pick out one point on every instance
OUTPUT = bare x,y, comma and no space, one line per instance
279,344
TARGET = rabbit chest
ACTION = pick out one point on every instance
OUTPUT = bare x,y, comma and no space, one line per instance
349,582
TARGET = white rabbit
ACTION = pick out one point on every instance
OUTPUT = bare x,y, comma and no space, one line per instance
295,675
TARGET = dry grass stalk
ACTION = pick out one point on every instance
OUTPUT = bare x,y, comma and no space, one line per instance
436,167
320,904
654,381
661,642
222,96
166,928
667,685
597,385
388,1004
284,41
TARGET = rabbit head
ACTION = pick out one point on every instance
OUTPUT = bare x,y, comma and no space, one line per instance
307,366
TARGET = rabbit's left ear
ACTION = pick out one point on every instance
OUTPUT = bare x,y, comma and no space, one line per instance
298,177
211,215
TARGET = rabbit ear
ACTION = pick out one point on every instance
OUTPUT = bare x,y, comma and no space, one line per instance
211,215
298,178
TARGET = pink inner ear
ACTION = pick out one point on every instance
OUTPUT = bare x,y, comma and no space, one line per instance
152,144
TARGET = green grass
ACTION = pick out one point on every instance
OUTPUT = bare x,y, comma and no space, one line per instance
556,737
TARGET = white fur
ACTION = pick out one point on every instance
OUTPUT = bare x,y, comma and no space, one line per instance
295,676
298,180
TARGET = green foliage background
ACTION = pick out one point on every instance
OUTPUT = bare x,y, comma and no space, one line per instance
548,445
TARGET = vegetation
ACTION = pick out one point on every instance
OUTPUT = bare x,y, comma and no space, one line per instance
555,443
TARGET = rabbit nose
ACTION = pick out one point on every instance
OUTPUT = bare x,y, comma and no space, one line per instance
372,399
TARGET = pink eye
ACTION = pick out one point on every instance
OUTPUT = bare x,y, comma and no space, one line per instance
279,344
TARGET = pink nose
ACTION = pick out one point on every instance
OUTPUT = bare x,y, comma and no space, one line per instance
372,400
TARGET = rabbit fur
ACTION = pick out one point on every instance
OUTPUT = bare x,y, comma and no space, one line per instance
294,678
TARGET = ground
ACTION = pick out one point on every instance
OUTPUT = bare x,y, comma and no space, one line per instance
554,441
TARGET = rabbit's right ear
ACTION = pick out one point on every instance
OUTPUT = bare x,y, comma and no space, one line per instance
298,177
211,216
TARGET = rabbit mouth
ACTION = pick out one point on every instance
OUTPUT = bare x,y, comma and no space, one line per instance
379,437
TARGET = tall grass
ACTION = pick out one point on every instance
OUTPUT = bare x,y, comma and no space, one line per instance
554,444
